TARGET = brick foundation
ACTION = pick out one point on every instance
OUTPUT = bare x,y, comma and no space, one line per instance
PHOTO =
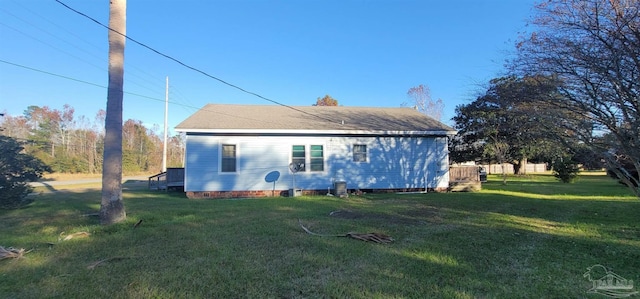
235,194
278,193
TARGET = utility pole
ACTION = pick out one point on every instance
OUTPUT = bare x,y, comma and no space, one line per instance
112,205
166,126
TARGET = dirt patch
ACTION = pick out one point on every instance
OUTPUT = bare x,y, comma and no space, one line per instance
427,213
347,214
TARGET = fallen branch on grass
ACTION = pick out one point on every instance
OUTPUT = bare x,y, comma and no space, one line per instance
312,233
369,237
10,252
74,236
98,263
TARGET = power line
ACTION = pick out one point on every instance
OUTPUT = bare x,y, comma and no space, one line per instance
188,66
125,92
52,74
52,46
73,44
74,79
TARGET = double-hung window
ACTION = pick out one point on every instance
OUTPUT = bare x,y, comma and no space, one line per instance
359,153
298,156
317,158
315,161
228,161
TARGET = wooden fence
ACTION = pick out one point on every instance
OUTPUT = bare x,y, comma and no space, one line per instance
464,174
464,178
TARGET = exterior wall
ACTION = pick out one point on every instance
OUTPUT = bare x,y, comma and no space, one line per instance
396,163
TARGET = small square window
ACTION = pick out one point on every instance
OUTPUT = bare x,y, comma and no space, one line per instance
359,153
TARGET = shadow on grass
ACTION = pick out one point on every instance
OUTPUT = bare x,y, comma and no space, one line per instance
586,185
48,187
458,245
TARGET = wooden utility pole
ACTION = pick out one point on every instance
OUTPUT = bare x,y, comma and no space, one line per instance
112,205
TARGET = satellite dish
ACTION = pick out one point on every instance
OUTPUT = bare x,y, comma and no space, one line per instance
296,166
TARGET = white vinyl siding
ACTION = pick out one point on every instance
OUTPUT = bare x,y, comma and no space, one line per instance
391,162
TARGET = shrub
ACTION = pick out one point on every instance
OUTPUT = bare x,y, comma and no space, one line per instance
17,169
566,170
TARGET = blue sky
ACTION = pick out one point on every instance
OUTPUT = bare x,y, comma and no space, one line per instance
362,53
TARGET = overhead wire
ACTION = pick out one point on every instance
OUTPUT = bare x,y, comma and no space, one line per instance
150,78
50,45
189,66
70,43
52,74
175,94
69,38
125,92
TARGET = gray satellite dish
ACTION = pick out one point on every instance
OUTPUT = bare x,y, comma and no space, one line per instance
295,167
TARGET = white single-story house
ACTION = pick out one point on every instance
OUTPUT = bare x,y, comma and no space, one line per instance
273,150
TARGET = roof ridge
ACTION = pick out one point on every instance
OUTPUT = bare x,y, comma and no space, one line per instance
310,118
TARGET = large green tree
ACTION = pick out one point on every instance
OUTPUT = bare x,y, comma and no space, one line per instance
17,169
510,123
593,48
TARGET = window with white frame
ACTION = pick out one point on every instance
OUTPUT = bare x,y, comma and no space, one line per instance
228,158
317,158
359,153
298,156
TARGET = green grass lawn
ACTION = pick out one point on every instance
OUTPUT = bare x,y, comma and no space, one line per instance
531,238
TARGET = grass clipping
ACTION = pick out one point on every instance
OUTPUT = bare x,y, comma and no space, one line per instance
367,237
10,252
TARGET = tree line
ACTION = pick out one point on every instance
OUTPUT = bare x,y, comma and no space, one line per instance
75,144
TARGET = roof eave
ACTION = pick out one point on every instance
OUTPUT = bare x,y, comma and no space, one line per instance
318,132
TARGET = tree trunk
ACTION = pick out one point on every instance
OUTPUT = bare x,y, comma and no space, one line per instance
520,167
112,206
504,173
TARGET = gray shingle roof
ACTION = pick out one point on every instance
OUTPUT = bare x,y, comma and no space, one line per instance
222,117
